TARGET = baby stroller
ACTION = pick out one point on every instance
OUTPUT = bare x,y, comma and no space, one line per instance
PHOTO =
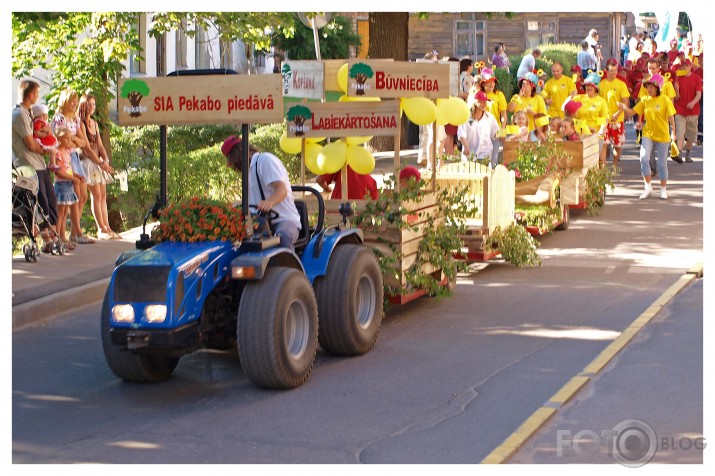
27,215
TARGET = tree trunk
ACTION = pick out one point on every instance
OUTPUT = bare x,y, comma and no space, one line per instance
389,33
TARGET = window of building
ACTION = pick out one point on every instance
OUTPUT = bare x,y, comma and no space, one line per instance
540,33
469,37
137,65
259,59
201,50
181,45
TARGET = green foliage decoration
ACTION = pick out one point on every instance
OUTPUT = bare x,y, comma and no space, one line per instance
535,159
436,246
597,180
542,217
516,245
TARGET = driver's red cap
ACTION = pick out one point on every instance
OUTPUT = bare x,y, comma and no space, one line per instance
229,143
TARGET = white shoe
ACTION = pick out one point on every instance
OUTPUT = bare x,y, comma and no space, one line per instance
663,194
646,192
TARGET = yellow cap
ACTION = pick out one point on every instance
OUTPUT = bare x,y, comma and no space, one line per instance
512,129
542,121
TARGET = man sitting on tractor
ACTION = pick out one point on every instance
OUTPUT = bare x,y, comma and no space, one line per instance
268,188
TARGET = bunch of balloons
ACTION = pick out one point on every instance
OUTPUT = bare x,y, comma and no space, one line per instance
332,157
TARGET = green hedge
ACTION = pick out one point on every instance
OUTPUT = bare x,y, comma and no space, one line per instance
505,83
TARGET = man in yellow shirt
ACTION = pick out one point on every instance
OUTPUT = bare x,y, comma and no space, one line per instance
614,91
557,89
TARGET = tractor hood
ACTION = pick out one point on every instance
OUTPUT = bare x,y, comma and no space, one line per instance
177,275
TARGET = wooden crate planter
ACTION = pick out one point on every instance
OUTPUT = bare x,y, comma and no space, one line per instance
386,235
584,156
491,195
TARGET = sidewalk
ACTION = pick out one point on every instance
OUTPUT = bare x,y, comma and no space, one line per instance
57,284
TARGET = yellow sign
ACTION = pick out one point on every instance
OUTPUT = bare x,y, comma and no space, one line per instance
398,79
214,99
343,119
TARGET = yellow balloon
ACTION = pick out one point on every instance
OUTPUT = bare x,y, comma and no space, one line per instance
314,140
346,98
419,110
343,78
360,159
311,158
357,140
290,145
454,110
332,157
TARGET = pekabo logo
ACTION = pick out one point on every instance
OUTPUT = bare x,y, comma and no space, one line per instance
298,114
361,72
134,90
286,73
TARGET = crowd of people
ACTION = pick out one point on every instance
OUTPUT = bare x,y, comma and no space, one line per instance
69,159
661,91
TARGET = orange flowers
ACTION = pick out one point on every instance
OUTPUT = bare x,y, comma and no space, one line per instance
200,219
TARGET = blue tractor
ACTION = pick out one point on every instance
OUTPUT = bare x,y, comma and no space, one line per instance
275,305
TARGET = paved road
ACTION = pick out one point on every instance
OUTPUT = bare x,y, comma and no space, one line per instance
447,382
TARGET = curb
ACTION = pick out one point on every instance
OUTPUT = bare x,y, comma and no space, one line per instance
551,407
50,306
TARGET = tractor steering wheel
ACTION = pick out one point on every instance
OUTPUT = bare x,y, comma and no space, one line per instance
270,214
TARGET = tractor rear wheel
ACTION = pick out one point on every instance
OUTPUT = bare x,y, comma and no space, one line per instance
350,301
277,329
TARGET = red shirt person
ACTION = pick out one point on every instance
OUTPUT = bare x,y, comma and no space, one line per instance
689,88
358,185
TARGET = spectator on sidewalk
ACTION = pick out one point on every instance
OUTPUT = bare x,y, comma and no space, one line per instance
528,63
594,47
67,116
586,60
688,88
500,59
97,169
29,153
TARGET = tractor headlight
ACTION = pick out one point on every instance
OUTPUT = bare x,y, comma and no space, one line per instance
155,313
123,313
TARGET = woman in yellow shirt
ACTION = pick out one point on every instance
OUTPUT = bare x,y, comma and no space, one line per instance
594,108
659,113
527,100
496,105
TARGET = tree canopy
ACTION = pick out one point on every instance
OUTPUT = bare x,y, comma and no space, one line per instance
336,38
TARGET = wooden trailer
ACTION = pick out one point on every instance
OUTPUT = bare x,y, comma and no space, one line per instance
490,196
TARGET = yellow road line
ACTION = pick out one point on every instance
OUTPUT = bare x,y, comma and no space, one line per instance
514,441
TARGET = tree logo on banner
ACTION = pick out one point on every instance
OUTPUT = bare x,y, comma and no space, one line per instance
298,114
286,73
134,90
361,72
